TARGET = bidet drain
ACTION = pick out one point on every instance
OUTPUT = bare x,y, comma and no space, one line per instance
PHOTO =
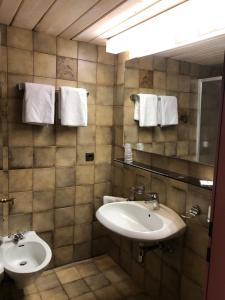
23,263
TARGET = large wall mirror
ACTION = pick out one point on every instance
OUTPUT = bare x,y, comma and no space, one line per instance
193,77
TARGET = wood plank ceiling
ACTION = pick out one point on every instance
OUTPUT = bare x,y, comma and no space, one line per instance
84,20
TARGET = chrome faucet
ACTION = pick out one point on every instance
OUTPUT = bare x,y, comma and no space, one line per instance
17,236
153,198
136,193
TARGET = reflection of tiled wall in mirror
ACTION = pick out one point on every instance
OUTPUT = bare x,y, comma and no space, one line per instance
162,76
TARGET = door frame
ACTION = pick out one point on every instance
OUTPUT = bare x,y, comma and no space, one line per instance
215,287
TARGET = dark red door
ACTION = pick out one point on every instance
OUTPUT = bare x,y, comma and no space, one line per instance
215,289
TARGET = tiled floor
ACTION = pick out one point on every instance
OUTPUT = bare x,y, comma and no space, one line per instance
99,278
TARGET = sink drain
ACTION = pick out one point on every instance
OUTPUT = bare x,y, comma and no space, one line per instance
23,263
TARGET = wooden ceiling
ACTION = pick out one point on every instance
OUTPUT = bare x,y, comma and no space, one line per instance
84,20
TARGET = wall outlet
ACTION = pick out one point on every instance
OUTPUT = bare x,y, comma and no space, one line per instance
89,156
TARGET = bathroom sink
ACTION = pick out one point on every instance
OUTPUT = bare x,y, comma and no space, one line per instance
137,220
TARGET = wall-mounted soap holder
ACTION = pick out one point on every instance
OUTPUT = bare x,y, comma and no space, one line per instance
193,212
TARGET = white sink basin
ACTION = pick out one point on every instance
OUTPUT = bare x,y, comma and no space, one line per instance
137,220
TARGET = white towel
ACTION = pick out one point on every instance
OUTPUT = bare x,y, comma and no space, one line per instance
148,110
38,104
137,110
168,110
73,106
111,199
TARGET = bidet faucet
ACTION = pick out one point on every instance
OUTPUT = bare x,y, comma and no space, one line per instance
17,236
153,198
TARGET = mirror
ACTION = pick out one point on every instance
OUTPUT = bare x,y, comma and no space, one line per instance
195,81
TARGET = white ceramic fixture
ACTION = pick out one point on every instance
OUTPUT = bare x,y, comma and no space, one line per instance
26,259
138,220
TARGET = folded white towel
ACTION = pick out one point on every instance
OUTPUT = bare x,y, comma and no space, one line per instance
168,110
38,104
111,199
137,110
73,106
148,110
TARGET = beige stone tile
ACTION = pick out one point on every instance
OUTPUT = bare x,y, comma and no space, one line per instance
105,74
86,71
66,68
45,80
19,38
65,176
83,213
146,62
84,194
84,175
120,75
66,48
103,154
66,275
66,136
44,157
159,80
105,95
104,262
20,180
87,269
103,135
43,179
63,236
44,65
131,78
76,288
109,293
96,282
83,251
102,189
127,288
64,196
173,66
130,134
86,135
87,296
20,222
43,200
172,82
81,154
104,115
65,156
82,233
64,216
44,136
20,135
146,79
87,51
44,43
30,289
63,255
22,202
103,173
56,293
184,83
35,296
115,274
190,289
20,157
159,63
43,221
46,281
104,57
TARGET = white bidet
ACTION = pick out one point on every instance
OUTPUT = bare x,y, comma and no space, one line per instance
25,259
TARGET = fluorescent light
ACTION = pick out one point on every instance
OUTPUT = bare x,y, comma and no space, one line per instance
187,23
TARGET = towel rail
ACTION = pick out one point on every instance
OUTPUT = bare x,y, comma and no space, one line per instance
21,87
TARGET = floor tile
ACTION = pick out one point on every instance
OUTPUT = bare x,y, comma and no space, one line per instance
127,288
97,281
115,274
57,294
47,281
68,275
104,262
108,293
87,269
76,288
88,296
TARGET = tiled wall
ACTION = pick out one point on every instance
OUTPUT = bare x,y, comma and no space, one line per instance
161,76
44,168
179,275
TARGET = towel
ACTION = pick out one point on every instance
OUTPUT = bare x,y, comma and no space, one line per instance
73,106
111,199
168,110
137,110
38,104
148,110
